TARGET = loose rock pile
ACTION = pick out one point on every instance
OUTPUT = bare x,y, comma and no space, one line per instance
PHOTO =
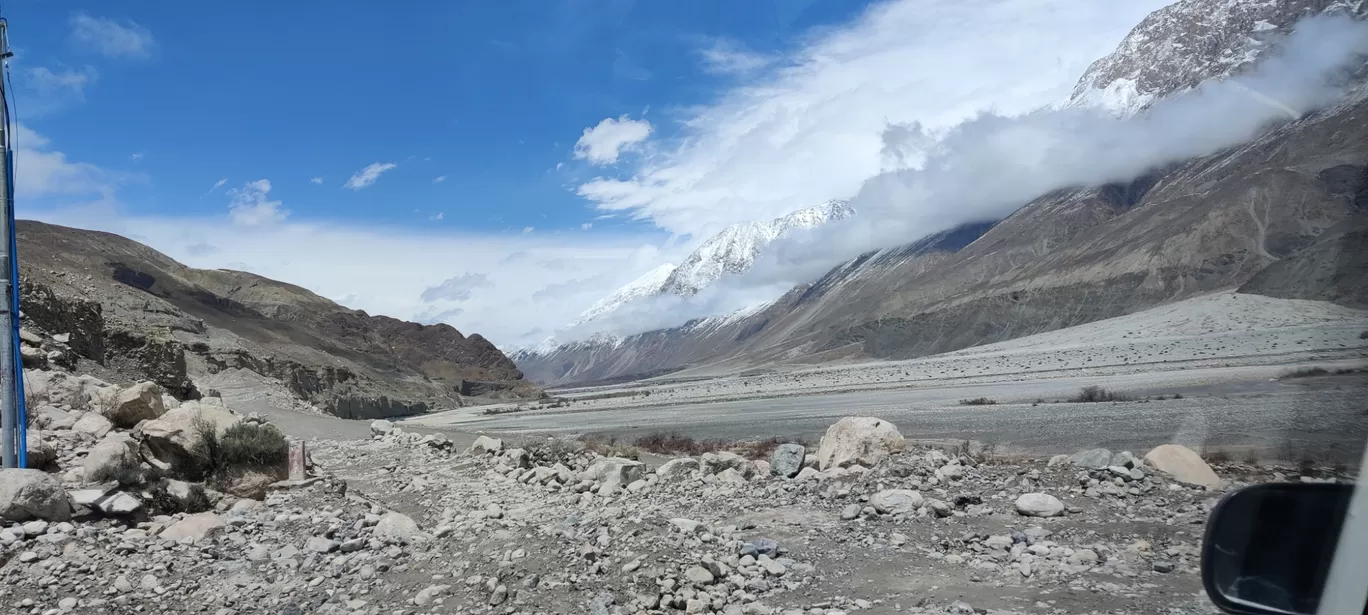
406,523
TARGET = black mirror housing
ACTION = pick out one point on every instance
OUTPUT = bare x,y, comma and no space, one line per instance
1268,548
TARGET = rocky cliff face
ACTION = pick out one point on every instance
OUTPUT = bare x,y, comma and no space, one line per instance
138,314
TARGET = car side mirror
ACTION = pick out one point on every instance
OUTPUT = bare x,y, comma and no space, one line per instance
1268,548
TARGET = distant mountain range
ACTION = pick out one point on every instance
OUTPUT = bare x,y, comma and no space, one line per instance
1285,214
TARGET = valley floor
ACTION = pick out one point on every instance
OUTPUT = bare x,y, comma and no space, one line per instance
1223,354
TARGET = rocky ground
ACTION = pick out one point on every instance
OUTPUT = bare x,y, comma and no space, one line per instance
405,523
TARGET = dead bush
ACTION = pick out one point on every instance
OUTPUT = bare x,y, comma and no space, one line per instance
978,401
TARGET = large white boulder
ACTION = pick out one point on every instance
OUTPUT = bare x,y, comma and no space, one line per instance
63,389
142,401
858,440
115,454
1183,464
381,427
1039,505
32,494
174,437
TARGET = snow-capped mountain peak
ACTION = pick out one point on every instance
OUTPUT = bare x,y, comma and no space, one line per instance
649,284
735,249
1178,47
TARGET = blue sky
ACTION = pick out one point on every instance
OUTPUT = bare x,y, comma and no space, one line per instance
491,96
578,144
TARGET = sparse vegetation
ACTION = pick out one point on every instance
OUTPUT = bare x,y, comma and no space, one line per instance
1305,372
163,501
662,443
1096,394
978,401
608,446
1216,456
243,445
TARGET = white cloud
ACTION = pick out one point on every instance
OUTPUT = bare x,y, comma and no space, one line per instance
41,172
218,184
458,288
586,226
111,38
437,216
368,175
439,179
251,205
810,130
135,156
316,180
528,229
602,144
726,57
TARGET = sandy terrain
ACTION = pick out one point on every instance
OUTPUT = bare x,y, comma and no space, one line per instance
1223,353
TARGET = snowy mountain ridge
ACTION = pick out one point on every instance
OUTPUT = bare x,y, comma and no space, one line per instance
735,249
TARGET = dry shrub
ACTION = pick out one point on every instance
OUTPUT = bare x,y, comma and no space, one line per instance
978,401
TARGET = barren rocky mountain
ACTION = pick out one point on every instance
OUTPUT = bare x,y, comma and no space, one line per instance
133,313
1282,215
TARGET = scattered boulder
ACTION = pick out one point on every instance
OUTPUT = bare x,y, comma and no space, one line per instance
485,445
381,427
114,457
93,424
858,440
140,402
194,528
1092,459
1183,464
32,494
896,501
250,484
787,460
119,503
517,457
676,469
1039,505
614,471
53,418
398,528
714,463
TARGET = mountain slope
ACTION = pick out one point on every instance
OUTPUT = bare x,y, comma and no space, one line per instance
1264,215
139,314
1179,46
